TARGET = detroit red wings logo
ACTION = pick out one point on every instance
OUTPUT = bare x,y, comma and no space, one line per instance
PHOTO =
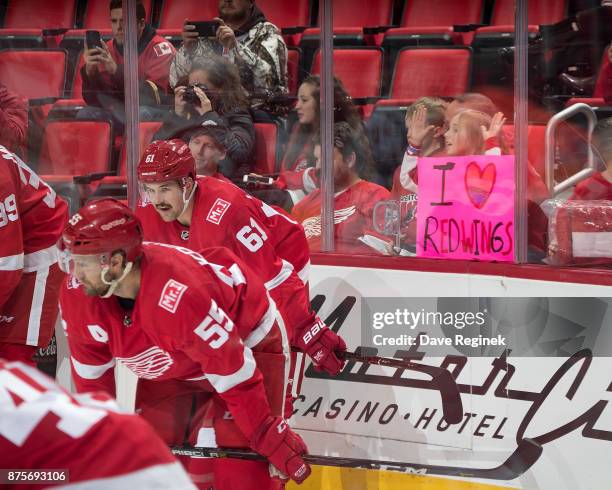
149,364
312,226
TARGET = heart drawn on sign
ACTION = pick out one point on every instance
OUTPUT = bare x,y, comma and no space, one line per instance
479,183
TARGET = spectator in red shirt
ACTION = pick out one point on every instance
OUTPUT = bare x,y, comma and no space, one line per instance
13,120
354,198
598,186
104,69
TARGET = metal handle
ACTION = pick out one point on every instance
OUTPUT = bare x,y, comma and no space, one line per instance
551,143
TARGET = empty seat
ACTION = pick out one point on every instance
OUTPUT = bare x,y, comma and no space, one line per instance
293,69
286,14
359,70
97,14
346,13
429,71
433,13
174,12
76,147
146,130
34,73
539,12
41,14
265,148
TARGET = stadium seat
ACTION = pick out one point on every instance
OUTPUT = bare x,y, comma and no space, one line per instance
76,147
539,12
441,72
97,14
359,70
284,14
39,14
293,69
265,148
174,12
34,73
146,130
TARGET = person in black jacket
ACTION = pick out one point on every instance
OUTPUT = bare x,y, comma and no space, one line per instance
213,93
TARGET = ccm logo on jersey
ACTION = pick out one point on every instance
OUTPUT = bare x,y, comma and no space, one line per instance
112,224
314,330
217,211
171,295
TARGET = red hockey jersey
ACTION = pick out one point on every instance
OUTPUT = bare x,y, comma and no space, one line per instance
32,218
193,320
353,216
45,428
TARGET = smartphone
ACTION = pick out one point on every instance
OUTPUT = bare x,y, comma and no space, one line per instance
206,28
93,39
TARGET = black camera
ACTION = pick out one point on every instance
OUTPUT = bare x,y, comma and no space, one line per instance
191,97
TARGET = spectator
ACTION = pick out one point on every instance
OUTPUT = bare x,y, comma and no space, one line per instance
354,198
603,85
425,127
207,145
103,71
214,93
13,121
244,37
598,186
297,168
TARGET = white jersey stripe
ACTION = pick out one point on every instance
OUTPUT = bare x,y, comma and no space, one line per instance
304,273
223,383
90,371
281,277
38,299
11,262
264,326
41,259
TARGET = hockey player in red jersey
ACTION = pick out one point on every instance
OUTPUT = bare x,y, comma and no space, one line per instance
48,430
199,330
202,212
31,220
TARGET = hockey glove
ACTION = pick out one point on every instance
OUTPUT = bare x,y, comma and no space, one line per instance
323,346
283,448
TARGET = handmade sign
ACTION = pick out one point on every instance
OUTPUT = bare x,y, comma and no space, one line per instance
466,207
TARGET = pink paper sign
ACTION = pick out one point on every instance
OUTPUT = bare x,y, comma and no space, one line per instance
466,208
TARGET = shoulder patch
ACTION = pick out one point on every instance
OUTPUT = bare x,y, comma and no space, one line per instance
217,211
162,49
171,295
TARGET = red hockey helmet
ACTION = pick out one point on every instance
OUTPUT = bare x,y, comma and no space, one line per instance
166,160
101,227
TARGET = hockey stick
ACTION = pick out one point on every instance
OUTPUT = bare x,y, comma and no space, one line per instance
524,456
442,379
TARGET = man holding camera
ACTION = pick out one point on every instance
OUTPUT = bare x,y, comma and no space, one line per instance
104,67
246,38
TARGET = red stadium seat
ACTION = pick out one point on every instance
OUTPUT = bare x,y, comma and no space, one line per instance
434,13
265,148
539,12
348,13
76,147
41,14
283,13
293,69
439,72
146,130
34,73
359,70
97,14
174,12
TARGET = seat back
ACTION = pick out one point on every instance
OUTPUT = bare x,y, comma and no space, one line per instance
346,13
76,147
539,12
429,13
265,148
436,72
39,14
146,130
34,73
97,14
174,12
293,69
358,69
283,13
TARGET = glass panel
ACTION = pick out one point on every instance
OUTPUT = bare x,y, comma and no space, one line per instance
568,72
